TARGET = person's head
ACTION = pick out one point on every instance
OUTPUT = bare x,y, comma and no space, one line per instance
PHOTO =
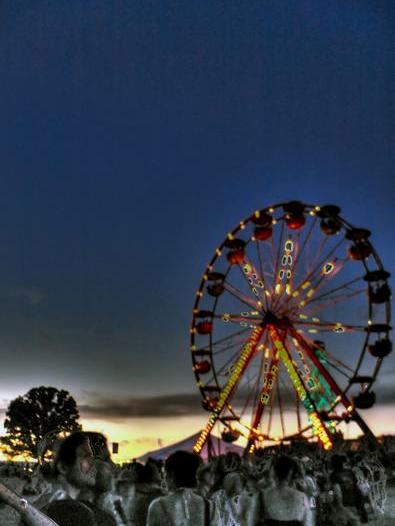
99,445
134,473
152,472
181,468
205,475
283,468
233,483
74,461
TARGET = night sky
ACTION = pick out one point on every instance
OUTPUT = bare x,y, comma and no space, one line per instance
134,135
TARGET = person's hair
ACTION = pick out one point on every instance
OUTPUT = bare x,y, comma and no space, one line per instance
99,445
182,467
149,474
283,466
67,451
203,470
134,473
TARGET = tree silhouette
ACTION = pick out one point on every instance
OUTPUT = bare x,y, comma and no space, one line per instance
29,418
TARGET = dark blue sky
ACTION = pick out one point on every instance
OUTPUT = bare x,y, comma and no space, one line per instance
135,134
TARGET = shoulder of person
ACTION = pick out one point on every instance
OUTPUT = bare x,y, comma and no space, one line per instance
43,500
157,512
102,517
299,494
69,511
157,503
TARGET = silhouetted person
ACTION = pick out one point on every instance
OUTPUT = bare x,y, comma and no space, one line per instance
74,469
346,493
284,505
142,491
182,506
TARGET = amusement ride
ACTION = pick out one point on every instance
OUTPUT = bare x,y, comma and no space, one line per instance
290,327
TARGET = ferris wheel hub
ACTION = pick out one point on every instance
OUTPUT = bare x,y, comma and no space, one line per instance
270,318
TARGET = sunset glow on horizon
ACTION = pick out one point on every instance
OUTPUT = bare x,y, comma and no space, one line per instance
137,436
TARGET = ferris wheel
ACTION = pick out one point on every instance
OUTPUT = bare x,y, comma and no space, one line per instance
290,326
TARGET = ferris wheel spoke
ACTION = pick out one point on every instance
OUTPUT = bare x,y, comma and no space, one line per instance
318,282
261,270
248,399
229,347
226,349
266,392
277,264
343,286
334,360
336,367
318,254
255,379
304,244
231,384
270,421
311,378
262,262
289,254
290,275
296,259
300,386
237,293
313,308
337,327
255,280
243,318
325,373
280,406
261,371
326,397
227,339
312,286
328,358
307,280
226,368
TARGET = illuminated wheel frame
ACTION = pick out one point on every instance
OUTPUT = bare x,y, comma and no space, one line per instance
292,314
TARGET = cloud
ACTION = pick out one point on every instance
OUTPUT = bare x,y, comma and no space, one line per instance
183,404
385,394
179,405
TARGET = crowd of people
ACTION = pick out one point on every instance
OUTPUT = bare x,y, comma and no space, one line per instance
81,486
